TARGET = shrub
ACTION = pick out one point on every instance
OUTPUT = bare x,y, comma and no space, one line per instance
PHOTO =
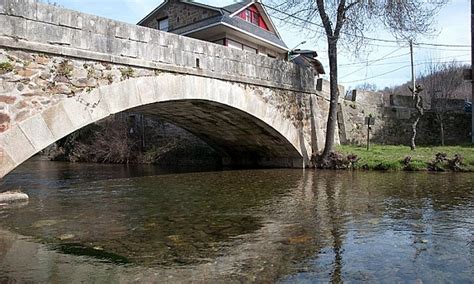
336,161
437,164
456,163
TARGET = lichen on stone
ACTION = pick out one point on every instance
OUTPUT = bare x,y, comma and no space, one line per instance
127,73
64,68
5,67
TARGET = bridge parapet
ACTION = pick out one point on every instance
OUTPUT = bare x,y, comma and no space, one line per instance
40,27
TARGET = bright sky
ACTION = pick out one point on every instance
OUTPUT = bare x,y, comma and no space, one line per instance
453,29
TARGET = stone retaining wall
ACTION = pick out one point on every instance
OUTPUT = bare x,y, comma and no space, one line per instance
393,125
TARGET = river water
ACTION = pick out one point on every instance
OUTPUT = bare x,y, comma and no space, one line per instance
113,223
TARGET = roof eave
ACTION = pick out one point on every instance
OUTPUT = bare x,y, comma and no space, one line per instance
284,49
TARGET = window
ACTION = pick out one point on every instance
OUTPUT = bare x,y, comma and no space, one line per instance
252,15
234,44
239,46
163,25
250,49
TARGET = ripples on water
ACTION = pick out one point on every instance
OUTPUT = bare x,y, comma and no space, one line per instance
109,223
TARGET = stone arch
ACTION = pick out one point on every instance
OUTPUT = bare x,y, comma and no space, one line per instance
286,144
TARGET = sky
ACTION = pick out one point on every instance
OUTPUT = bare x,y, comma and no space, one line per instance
386,65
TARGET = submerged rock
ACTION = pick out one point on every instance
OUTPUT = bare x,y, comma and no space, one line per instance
65,237
44,223
13,196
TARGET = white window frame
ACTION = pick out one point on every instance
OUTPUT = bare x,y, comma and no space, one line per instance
164,24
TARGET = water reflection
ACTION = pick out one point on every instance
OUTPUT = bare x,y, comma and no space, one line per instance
249,226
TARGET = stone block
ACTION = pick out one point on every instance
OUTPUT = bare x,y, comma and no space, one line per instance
58,121
95,105
100,44
21,8
141,34
121,96
15,143
148,89
155,37
3,9
81,39
71,19
6,163
166,55
146,52
13,27
46,33
48,13
129,49
37,131
122,31
98,25
179,58
77,112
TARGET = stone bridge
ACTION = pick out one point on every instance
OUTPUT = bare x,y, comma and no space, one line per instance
61,70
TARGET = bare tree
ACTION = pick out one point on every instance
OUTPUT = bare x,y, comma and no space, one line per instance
348,21
419,108
367,87
442,81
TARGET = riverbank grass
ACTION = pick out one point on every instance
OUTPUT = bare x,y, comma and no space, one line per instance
392,157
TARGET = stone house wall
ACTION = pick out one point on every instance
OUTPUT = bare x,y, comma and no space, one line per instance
179,15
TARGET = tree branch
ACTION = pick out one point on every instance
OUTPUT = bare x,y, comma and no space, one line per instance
325,18
341,15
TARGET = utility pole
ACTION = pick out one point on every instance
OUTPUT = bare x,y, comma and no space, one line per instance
472,71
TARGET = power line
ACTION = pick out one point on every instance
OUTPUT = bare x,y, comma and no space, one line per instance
398,62
395,70
442,45
364,63
368,64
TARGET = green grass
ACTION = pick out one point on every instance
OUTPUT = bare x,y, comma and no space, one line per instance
390,157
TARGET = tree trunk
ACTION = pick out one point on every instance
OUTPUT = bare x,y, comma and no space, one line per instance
334,98
413,136
441,125
419,108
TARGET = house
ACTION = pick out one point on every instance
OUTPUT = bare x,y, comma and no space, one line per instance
306,58
245,25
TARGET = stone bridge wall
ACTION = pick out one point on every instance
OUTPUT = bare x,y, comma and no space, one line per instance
44,28
51,56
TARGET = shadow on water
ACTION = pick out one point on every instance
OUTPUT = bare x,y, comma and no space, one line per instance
96,253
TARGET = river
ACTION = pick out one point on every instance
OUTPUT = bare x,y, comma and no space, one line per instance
115,223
